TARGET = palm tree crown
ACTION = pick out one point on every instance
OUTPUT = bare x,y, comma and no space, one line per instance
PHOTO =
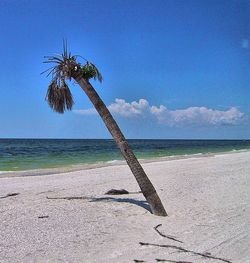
65,67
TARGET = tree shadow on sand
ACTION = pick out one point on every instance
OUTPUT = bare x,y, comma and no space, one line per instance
140,203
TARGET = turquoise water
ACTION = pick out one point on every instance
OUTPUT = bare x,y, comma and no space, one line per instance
27,154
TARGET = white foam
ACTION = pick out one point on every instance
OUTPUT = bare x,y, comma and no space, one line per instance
113,161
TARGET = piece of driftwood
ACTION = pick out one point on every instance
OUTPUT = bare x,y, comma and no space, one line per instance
70,197
117,192
42,217
9,195
171,261
169,237
181,249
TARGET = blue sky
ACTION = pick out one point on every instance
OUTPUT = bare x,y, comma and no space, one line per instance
172,69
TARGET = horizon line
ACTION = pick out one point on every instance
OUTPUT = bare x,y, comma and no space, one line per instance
50,138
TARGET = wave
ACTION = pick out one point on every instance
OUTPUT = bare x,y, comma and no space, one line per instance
114,161
5,172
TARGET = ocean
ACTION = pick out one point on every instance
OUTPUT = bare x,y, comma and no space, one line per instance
28,154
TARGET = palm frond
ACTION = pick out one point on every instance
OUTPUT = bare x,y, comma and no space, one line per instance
98,74
81,57
53,59
89,71
47,70
65,49
68,99
59,98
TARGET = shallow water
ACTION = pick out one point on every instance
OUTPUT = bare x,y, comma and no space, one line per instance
27,154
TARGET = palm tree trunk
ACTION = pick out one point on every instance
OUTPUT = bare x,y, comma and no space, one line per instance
145,185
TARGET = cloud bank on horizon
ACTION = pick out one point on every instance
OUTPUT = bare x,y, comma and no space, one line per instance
191,116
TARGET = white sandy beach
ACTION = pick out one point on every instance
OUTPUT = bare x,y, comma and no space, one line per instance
207,199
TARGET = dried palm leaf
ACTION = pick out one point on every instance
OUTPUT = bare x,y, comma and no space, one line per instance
59,98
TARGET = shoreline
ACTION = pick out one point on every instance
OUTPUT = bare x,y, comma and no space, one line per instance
75,168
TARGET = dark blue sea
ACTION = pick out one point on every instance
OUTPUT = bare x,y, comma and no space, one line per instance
27,154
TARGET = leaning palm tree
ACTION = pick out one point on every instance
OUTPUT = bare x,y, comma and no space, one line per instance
66,67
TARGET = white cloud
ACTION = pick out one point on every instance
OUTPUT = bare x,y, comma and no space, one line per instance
122,108
126,109
192,116
197,116
245,43
91,111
